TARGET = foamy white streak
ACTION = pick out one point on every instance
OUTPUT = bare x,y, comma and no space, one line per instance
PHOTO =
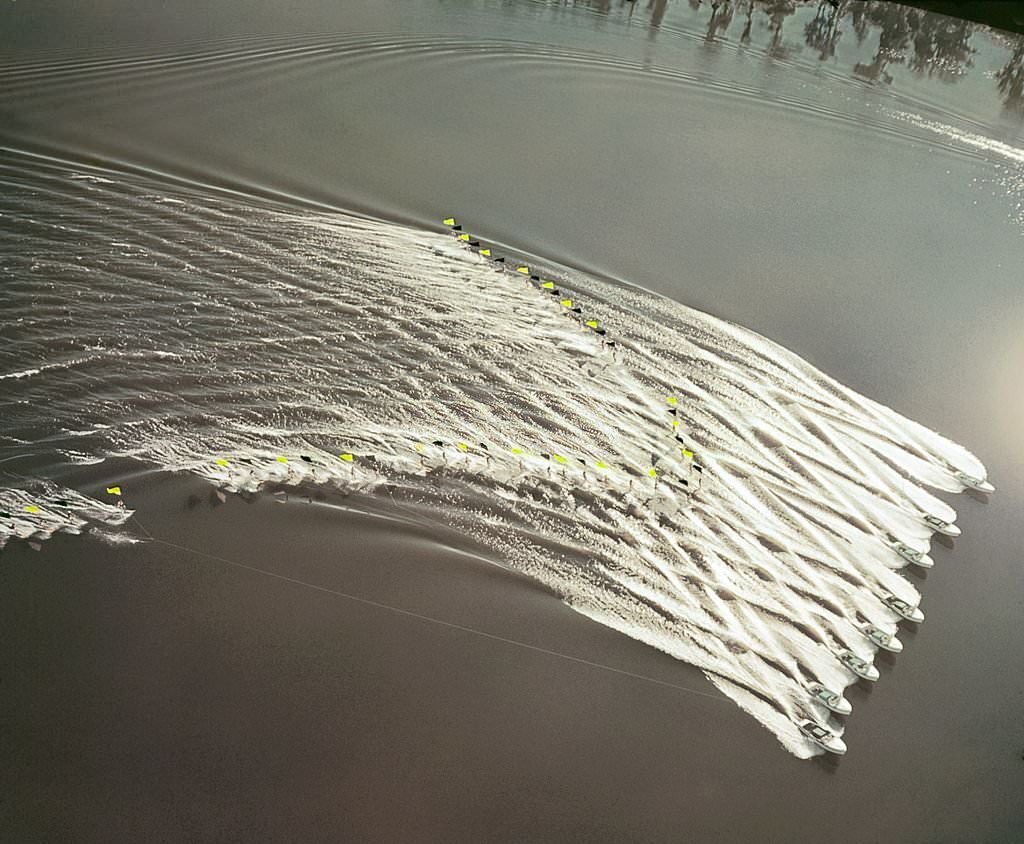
760,578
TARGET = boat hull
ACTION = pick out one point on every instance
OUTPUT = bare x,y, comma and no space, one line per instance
977,484
829,742
867,672
905,611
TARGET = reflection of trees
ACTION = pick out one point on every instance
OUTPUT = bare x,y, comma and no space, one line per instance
658,12
941,45
893,38
822,32
745,35
721,17
1010,79
859,20
928,44
777,12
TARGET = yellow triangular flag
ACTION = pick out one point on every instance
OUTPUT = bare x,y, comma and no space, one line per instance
486,253
282,459
652,472
559,458
348,458
672,401
523,270
516,450
567,303
222,462
462,446
601,464
114,490
463,237
31,508
591,323
449,221
548,285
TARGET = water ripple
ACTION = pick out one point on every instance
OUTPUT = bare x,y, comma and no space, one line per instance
759,537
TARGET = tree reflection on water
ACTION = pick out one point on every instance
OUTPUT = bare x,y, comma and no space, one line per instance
927,44
1010,79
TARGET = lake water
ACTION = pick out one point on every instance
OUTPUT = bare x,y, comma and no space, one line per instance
180,280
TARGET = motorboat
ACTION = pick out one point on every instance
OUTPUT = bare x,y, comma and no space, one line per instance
823,738
886,641
903,609
979,484
831,700
917,558
936,524
858,666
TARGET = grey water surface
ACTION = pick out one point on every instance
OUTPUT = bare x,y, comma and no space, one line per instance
847,183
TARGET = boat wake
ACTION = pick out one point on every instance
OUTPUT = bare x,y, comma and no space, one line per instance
669,474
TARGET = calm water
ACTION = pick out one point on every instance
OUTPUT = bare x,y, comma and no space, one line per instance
850,187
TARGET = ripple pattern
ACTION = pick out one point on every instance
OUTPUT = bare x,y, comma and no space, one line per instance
257,345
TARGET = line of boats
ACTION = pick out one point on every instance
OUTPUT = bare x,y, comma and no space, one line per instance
834,701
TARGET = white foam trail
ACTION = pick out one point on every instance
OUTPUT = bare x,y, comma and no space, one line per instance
38,512
80,458
761,578
972,139
24,373
116,539
340,336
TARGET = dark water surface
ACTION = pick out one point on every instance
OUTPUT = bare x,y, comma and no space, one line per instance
851,187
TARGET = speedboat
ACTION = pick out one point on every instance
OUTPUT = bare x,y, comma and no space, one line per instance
917,558
886,641
903,609
858,666
831,700
979,484
936,524
822,737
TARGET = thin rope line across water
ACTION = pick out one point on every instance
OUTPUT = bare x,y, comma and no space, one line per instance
450,624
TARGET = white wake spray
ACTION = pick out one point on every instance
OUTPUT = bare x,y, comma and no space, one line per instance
560,451
561,419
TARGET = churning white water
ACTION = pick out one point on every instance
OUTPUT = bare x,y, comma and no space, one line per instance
674,476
